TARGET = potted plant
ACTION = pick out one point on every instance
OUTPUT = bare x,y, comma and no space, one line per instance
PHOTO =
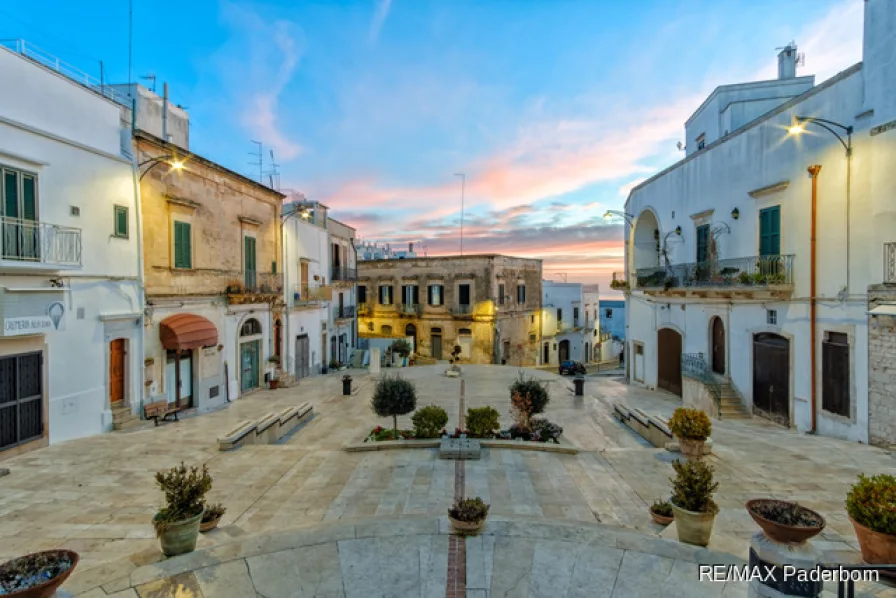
334,364
871,506
177,523
468,515
37,575
692,504
428,421
394,396
692,427
661,511
211,517
785,521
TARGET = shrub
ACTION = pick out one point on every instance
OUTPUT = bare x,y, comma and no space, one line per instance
546,431
379,433
690,424
482,421
531,389
471,510
693,486
662,508
872,502
213,511
401,347
185,489
393,397
520,411
429,421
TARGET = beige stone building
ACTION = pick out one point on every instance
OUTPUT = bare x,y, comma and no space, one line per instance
489,305
214,290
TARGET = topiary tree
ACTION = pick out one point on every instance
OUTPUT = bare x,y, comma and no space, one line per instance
482,421
394,396
429,421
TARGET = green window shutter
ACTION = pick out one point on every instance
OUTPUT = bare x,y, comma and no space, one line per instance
249,252
770,231
11,195
121,221
183,253
702,243
29,198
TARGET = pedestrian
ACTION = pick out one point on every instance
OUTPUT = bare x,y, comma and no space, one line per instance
622,356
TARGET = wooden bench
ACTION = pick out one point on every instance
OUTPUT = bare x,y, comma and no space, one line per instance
160,410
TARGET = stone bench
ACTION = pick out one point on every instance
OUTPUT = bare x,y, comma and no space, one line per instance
270,428
244,433
649,427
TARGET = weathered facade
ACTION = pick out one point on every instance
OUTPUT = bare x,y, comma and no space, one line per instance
213,284
882,359
489,305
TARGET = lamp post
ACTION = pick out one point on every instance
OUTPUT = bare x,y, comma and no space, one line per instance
169,159
798,127
610,214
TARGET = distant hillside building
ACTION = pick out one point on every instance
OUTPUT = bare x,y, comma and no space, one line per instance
371,250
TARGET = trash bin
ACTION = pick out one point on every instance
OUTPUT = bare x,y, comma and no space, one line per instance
579,381
346,385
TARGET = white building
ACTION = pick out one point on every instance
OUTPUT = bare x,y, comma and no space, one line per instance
71,304
344,276
567,331
371,250
719,255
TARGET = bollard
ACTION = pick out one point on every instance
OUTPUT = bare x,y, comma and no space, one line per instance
346,385
580,385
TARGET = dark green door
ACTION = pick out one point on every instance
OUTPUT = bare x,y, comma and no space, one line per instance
249,261
249,365
703,243
770,231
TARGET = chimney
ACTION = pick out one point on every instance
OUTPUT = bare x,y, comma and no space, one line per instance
410,248
787,62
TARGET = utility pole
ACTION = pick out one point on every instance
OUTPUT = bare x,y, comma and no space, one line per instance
463,183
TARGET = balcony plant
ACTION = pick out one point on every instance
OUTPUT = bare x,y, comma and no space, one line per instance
785,521
661,512
692,504
692,427
177,523
37,575
467,515
871,506
394,396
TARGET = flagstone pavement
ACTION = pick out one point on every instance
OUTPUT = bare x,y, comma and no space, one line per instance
97,495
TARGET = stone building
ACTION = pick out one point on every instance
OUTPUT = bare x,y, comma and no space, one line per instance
489,305
882,355
214,288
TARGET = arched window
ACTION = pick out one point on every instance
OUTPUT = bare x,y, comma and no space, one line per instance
250,327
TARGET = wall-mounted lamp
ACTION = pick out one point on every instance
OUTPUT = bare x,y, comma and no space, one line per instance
735,213
678,230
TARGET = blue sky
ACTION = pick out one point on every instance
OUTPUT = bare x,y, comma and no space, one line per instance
551,108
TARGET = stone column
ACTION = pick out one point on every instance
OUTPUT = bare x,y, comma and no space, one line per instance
787,560
374,360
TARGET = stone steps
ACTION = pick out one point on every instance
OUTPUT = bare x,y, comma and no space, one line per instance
124,419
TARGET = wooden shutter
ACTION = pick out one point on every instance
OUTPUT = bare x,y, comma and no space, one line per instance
182,245
770,231
249,259
835,374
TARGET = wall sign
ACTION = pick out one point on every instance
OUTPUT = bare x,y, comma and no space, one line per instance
50,322
883,128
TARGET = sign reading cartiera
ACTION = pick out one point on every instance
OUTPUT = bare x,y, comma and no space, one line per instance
36,324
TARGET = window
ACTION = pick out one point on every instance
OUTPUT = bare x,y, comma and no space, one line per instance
386,329
183,251
771,316
701,141
702,243
250,327
520,293
575,314
436,294
121,222
559,315
362,294
608,313
639,349
18,201
249,261
463,294
835,373
410,294
531,319
501,294
770,231
386,294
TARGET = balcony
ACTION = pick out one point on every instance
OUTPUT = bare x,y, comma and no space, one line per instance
462,310
890,263
267,288
363,309
410,309
342,274
345,312
306,295
31,244
770,274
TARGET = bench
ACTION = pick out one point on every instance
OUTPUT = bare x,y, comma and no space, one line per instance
160,410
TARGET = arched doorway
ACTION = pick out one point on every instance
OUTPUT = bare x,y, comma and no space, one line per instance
435,335
250,353
646,249
718,345
546,358
564,351
411,331
771,377
668,356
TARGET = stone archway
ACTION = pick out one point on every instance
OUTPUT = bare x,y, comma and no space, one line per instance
645,249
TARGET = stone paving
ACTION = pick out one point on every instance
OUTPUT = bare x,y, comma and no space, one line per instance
97,495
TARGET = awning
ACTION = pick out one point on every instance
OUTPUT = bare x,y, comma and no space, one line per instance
183,332
883,310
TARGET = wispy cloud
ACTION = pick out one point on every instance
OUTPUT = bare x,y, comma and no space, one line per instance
379,18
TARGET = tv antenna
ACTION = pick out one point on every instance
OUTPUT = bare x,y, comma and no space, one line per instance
680,146
260,163
150,77
273,174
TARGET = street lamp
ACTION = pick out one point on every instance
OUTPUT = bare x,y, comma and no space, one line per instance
610,214
170,159
797,127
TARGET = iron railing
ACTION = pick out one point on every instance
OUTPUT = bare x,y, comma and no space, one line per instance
39,242
463,309
344,274
305,294
619,282
363,309
343,312
35,54
694,366
753,271
410,309
890,262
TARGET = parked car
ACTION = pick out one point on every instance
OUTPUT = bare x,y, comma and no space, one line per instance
572,367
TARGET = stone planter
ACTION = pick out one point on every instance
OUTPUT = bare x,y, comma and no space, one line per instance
876,548
180,537
47,589
466,527
693,528
691,449
661,519
778,531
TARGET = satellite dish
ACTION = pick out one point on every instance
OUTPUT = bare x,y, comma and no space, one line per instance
680,146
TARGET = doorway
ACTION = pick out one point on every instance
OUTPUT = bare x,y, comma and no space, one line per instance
278,339
179,378
411,331
116,372
546,358
669,360
564,351
718,346
771,377
436,336
250,353
303,354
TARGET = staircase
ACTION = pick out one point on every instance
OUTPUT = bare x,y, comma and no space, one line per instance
731,406
727,398
123,419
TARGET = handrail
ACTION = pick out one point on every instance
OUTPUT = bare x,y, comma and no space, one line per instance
694,366
752,271
39,242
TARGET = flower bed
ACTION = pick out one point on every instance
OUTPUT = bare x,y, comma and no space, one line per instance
540,430
380,433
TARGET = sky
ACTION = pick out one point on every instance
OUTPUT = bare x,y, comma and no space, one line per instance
552,109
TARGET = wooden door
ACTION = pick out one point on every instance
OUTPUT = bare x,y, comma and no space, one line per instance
436,346
303,353
116,372
771,377
669,360
564,351
718,346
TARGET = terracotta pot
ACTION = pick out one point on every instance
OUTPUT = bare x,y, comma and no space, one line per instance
274,384
693,528
48,588
180,537
691,449
469,527
877,548
661,519
780,532
208,526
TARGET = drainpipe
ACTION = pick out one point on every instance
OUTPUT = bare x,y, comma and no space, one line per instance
813,173
141,290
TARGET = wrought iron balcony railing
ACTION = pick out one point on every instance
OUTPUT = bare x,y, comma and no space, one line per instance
363,309
344,274
39,242
890,262
410,309
256,287
754,271
343,312
309,294
463,309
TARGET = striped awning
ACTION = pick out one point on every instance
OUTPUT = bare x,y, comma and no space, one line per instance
183,332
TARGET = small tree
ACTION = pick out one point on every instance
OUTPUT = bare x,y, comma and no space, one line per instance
394,396
401,347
